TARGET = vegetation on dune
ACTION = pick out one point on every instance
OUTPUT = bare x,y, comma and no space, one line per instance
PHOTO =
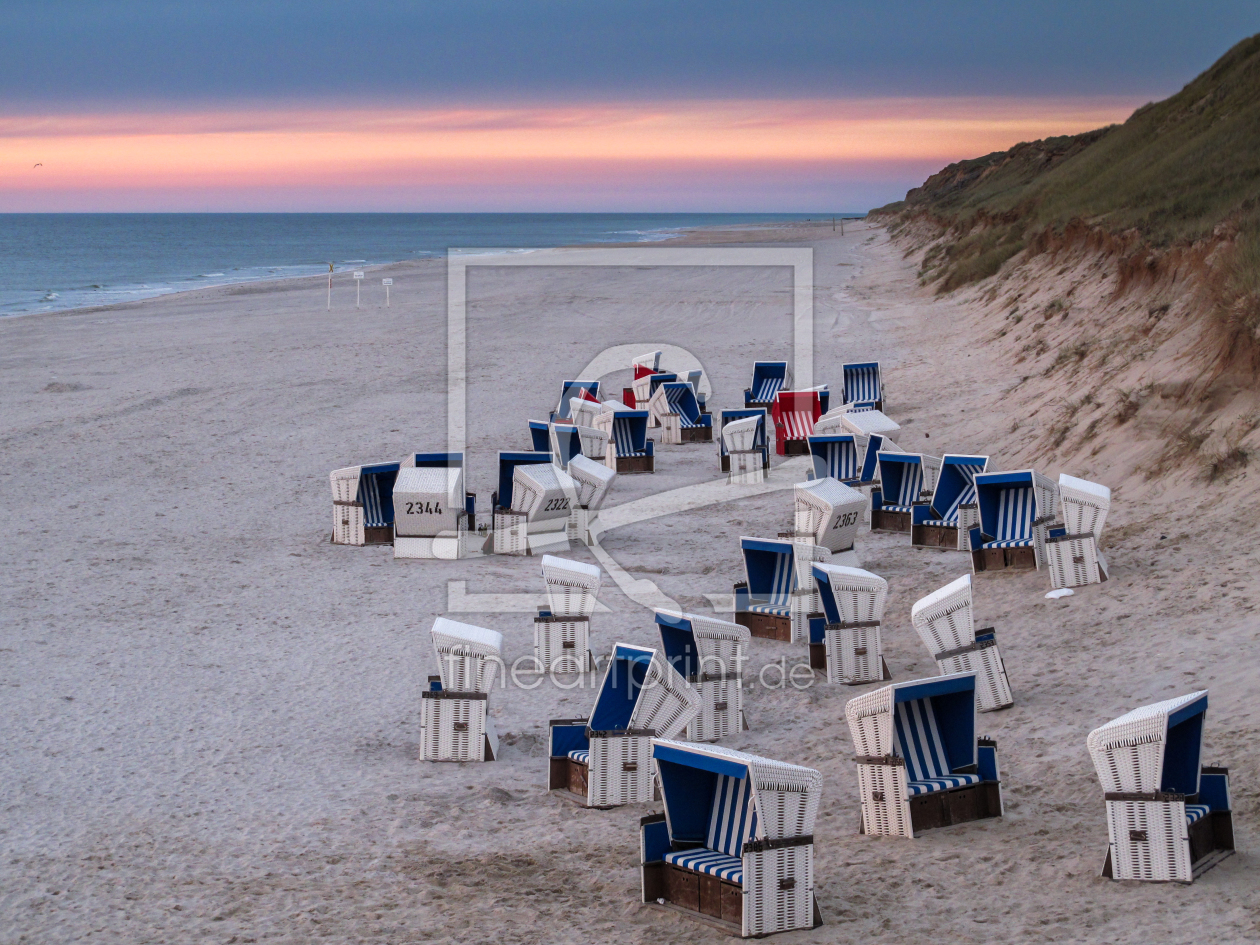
1178,173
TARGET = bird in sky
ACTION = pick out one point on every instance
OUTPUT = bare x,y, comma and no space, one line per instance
37,165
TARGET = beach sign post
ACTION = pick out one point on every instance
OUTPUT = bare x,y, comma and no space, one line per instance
358,281
330,272
387,283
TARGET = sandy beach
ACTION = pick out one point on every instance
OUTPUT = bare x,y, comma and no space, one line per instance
212,713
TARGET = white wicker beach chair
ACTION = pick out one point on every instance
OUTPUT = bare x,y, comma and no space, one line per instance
606,760
744,455
946,519
676,409
1015,512
510,529
1168,817
870,422
432,512
710,654
454,723
736,841
831,423
592,482
863,386
769,377
946,625
562,629
569,390
1072,550
645,387
363,510
906,479
584,412
778,592
845,638
828,513
544,494
919,762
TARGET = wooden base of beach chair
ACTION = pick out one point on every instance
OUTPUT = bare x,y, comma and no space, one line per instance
934,536
882,521
378,534
1004,559
702,894
956,806
696,434
726,463
766,626
568,780
796,447
636,464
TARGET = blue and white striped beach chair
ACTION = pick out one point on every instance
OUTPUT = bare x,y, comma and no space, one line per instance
565,442
772,601
646,386
863,386
363,505
845,638
1168,817
629,449
760,442
769,377
946,521
509,527
920,764
837,457
539,436
606,760
710,654
1015,512
906,479
675,408
735,842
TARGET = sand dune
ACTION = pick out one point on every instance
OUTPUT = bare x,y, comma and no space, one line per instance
212,713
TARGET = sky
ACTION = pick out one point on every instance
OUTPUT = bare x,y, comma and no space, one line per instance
559,105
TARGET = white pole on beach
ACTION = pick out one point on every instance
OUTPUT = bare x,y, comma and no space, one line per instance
387,283
358,281
330,272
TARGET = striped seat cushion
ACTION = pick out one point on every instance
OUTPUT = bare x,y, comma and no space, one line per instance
721,865
1195,812
797,424
861,384
767,389
776,610
1009,543
581,754
941,784
896,508
942,523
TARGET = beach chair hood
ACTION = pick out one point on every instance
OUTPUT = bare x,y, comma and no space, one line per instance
870,422
592,482
696,644
1154,748
542,491
850,595
935,719
1084,505
468,656
830,512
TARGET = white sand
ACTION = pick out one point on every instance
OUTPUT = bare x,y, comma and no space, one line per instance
211,713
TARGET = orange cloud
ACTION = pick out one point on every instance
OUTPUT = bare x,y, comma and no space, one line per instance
315,148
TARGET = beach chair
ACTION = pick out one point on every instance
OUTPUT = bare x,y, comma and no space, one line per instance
1015,511
544,495
676,409
845,639
946,625
905,479
862,385
454,722
363,504
1168,817
710,654
794,413
745,442
836,456
606,760
831,423
693,378
539,436
745,460
778,592
1072,549
946,520
869,423
433,515
645,364
508,524
582,390
735,844
564,441
768,378
592,482
629,449
562,629
919,762
584,412
645,389
828,513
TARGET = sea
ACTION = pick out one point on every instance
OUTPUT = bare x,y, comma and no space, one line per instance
57,261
